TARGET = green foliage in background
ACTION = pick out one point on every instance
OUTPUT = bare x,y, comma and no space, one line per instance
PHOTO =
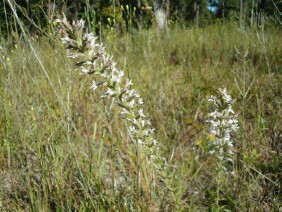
38,15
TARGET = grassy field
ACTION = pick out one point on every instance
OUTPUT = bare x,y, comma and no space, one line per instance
63,148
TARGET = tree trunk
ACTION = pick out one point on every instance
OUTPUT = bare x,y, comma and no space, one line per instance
223,9
160,15
253,12
167,9
28,8
262,5
139,7
118,25
260,12
241,12
196,13
49,9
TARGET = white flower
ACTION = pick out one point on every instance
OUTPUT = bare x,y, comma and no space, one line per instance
120,74
223,123
225,96
214,114
143,123
137,95
83,70
213,99
139,141
123,99
140,101
116,79
134,121
91,39
131,103
230,110
124,111
109,92
128,83
212,152
94,85
106,59
117,76
148,131
155,142
130,92
141,113
132,129
104,75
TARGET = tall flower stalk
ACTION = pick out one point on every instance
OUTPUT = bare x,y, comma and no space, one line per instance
92,59
223,123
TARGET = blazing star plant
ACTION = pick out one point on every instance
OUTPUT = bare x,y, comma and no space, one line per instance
223,121
92,59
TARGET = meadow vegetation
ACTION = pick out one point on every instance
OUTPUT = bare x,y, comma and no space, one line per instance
62,147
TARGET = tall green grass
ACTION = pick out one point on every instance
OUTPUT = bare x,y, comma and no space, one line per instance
63,148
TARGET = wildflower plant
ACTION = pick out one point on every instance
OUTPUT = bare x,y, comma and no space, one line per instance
92,59
223,124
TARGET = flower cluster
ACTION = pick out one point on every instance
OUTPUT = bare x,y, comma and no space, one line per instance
91,58
223,121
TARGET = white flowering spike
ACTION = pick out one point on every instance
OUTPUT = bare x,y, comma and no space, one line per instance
91,58
223,123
